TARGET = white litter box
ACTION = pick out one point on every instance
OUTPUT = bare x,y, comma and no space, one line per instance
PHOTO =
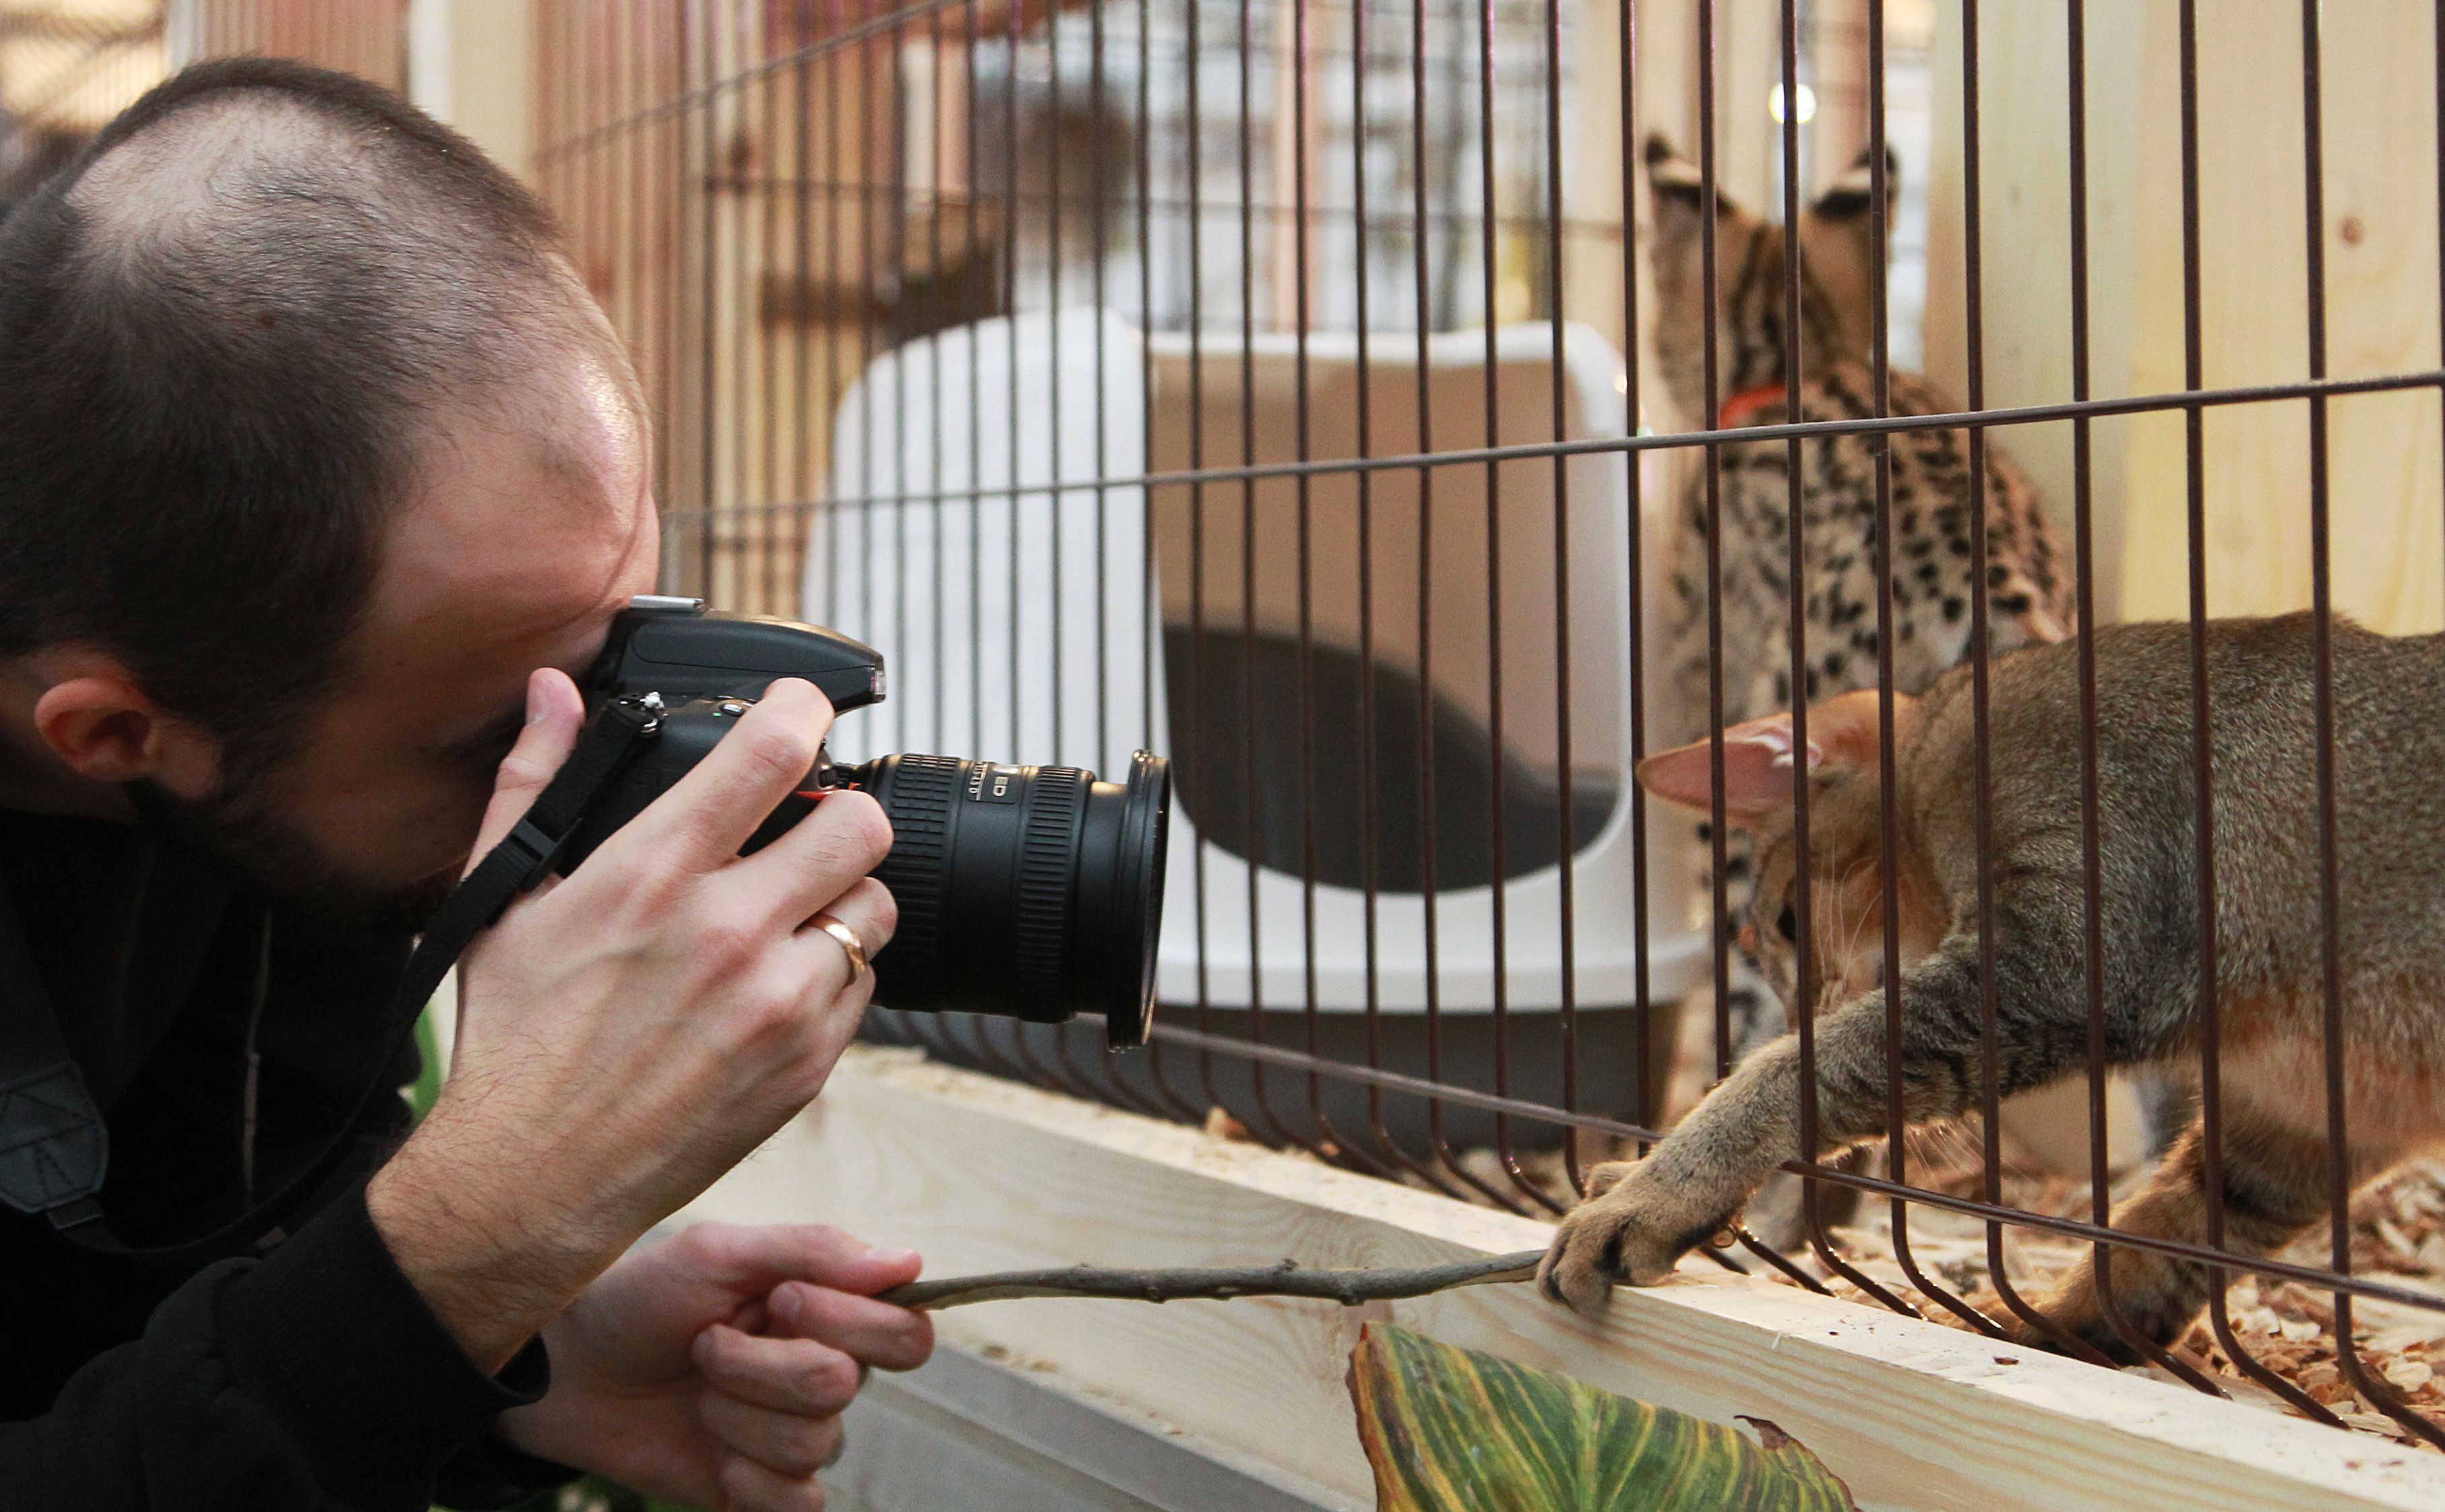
1026,617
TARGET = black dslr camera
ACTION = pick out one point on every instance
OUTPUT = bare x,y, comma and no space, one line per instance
1031,892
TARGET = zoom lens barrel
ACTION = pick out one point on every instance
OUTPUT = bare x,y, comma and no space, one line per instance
1030,892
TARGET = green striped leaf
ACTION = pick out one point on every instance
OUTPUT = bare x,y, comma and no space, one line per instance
1456,1431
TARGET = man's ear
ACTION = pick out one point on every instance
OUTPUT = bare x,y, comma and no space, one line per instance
1758,759
104,728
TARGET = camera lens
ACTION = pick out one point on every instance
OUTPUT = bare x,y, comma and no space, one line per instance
1030,892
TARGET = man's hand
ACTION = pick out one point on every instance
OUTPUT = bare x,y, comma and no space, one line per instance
631,1031
711,1369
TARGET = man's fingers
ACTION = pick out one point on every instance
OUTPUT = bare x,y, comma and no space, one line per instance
555,713
793,1443
867,906
747,1487
878,1333
700,823
869,912
846,837
786,1374
755,1257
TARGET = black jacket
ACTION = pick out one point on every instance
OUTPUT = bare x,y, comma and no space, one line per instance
226,1040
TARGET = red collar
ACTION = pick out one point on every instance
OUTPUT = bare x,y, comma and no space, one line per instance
1740,408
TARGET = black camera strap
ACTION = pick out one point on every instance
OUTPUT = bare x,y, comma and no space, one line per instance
54,1147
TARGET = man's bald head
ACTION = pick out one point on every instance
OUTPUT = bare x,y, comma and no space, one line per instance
228,335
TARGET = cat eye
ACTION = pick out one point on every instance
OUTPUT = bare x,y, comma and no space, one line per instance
1787,925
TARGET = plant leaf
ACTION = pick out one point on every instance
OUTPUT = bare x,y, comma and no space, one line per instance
1456,1431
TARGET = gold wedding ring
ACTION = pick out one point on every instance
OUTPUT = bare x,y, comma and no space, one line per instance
851,946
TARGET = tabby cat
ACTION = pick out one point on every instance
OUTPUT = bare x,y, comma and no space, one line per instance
2267,983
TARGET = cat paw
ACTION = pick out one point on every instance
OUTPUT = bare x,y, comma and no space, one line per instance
1612,1239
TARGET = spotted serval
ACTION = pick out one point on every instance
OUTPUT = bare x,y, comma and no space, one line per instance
1933,577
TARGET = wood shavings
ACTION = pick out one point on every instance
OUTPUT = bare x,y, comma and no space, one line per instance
1221,1124
2398,1237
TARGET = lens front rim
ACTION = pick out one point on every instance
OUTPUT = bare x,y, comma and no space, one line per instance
1145,836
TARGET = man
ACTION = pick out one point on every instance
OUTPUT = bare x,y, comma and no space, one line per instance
320,478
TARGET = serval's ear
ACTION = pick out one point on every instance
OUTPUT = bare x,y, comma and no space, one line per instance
1837,246
1676,189
1847,200
1676,256
1758,761
1678,186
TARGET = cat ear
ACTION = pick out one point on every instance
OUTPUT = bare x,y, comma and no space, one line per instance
1838,247
1848,732
1758,759
1678,188
1675,259
1844,208
1844,735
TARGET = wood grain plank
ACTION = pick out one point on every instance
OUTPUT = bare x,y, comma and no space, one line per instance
983,1174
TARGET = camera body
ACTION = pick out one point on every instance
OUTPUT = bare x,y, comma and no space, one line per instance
675,648
705,669
1029,892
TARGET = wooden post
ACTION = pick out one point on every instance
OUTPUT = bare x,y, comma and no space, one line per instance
2382,280
470,63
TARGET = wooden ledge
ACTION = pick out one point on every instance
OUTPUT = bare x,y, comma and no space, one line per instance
983,1174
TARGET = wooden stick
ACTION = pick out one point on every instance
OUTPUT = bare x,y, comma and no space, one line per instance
1203,1284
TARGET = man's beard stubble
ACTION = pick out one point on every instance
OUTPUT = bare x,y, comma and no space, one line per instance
245,829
